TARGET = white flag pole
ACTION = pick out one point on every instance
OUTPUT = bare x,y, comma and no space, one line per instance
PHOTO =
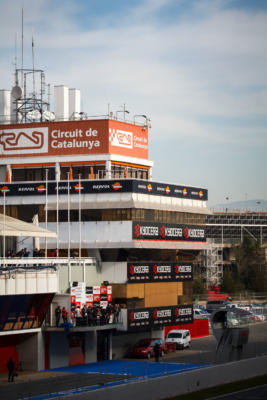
80,222
68,214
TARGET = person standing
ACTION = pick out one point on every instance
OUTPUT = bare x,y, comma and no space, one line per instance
157,351
11,370
64,314
57,314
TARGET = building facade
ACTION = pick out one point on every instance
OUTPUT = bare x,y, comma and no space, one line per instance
90,182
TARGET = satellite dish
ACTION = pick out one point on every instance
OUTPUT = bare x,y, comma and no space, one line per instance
16,92
48,115
33,115
75,116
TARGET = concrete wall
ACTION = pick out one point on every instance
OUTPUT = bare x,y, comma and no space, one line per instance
91,347
187,382
27,357
59,350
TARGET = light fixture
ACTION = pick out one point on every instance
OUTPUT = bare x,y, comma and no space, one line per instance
123,111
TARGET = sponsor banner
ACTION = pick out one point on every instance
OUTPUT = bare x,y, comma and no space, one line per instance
147,318
96,289
183,271
182,314
94,295
137,272
103,290
159,272
161,316
168,232
139,318
164,189
128,139
106,186
90,298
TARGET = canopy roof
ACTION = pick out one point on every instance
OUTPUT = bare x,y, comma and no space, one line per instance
14,227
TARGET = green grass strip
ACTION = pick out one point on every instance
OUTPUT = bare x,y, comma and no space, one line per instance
223,389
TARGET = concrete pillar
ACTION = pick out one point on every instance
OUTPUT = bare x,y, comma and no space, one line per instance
90,347
108,169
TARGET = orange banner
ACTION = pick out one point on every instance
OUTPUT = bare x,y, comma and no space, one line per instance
74,138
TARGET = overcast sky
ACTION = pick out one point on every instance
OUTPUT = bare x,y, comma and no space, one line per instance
198,69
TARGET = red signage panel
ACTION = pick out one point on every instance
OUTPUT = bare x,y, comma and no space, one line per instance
74,138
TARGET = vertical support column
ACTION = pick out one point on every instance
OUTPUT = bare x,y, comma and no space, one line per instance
108,169
84,271
150,174
57,173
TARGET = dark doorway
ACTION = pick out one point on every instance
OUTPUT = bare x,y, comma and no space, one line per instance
103,345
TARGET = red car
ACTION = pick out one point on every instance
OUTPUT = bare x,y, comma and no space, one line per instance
144,348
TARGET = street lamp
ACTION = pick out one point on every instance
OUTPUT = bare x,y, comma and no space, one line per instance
141,115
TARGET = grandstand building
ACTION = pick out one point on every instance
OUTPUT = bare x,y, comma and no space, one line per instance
89,180
227,229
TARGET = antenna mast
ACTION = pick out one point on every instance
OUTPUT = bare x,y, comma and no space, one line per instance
22,62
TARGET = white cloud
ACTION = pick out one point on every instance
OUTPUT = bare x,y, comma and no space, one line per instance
198,75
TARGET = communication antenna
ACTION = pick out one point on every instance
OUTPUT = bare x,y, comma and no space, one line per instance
16,92
49,115
33,74
33,115
22,63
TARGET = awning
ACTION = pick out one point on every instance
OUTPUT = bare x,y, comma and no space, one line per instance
14,227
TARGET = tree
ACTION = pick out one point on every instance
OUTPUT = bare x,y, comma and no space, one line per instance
251,265
199,286
230,284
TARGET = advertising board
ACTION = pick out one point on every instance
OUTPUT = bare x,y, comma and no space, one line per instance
99,186
159,272
147,318
102,136
168,232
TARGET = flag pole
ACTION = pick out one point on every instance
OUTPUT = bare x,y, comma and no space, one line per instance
80,222
57,219
68,174
4,228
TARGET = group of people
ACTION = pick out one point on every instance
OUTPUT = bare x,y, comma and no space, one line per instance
89,316
24,253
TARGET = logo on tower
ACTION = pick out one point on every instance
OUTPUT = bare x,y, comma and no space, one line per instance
121,138
23,141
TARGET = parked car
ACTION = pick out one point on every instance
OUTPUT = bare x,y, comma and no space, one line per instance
199,313
181,337
144,348
214,305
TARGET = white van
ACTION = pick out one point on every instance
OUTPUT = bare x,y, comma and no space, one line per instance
181,337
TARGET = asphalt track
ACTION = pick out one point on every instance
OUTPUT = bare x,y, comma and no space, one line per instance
258,393
80,379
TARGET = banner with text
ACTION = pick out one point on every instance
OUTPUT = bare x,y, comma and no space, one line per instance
147,318
168,232
159,272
